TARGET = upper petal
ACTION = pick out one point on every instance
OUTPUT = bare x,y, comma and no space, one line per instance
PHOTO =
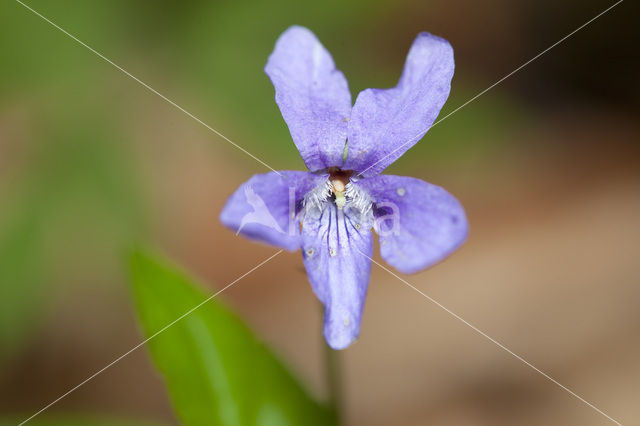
386,123
419,223
265,207
313,97
337,248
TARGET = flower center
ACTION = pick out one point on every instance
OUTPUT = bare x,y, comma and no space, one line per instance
339,180
340,190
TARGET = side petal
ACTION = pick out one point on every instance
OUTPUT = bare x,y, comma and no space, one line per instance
419,224
386,123
265,208
336,252
313,97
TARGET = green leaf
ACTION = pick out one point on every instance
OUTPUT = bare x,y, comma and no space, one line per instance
217,372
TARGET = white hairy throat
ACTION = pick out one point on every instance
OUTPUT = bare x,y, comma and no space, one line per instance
341,189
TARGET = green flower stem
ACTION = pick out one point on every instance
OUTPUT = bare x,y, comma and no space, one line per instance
334,383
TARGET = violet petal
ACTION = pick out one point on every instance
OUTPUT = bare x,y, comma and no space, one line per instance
265,207
336,252
313,97
386,122
430,225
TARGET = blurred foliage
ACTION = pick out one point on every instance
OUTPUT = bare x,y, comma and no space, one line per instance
75,420
69,197
20,255
75,205
216,370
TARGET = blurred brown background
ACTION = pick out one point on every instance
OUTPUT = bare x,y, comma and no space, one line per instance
546,165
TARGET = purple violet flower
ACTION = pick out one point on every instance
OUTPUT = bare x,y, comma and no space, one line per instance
330,211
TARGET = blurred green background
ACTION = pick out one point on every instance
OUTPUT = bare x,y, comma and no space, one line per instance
546,164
